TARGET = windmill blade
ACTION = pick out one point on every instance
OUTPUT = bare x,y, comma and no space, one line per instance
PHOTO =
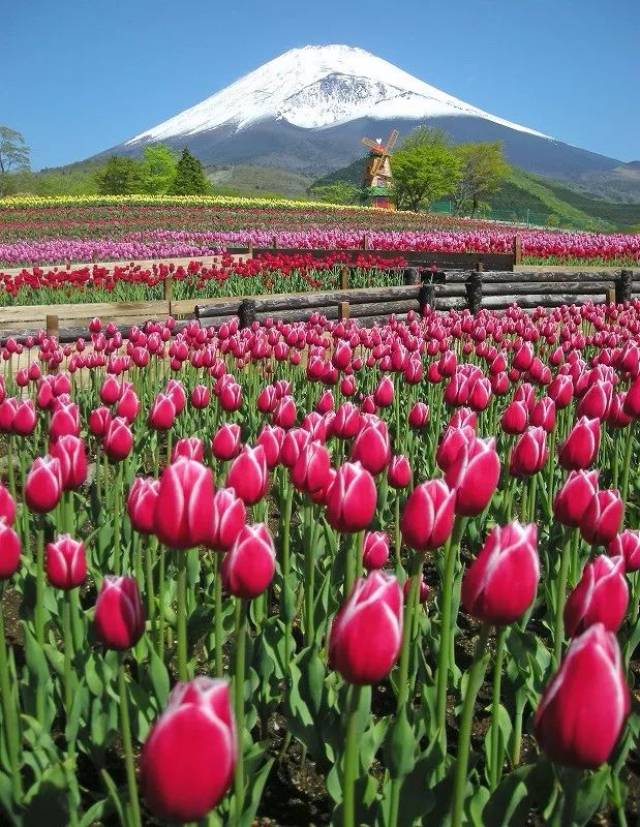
374,145
375,166
392,140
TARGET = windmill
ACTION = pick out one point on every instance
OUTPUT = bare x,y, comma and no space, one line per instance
378,176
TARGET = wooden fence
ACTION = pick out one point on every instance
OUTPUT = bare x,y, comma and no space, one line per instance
441,290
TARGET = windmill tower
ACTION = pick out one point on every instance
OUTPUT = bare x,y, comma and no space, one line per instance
378,176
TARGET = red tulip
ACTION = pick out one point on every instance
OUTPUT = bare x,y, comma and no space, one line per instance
581,446
399,472
574,497
200,397
501,583
375,550
603,517
529,454
191,447
119,614
66,563
111,390
366,634
423,594
383,394
248,475
293,442
347,422
189,756
225,445
427,518
474,475
129,405
285,414
452,442
419,415
627,544
64,420
582,711
184,509
311,471
543,414
601,596
371,446
351,498
230,397
141,504
43,485
163,413
99,421
229,518
72,454
9,550
118,440
25,419
7,505
248,567
561,391
515,418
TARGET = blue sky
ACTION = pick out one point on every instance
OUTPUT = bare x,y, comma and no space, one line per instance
80,76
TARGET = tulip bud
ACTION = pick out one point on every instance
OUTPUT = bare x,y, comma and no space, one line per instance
229,518
582,711
371,446
230,397
25,419
453,440
543,414
601,596
129,405
348,421
627,544
383,394
574,497
72,455
66,563
603,517
163,413
284,414
311,471
375,550
427,518
118,440
515,418
190,447
271,438
248,475
580,449
249,566
43,485
351,498
141,504
99,421
7,505
225,445
474,475
189,756
529,454
111,390
64,420
366,634
293,442
184,509
399,472
119,614
200,396
9,550
419,415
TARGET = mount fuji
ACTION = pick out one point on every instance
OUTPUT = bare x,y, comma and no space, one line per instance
306,111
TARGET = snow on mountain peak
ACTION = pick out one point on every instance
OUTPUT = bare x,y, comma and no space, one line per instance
316,87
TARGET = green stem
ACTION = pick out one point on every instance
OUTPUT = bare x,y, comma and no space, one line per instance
397,534
627,462
354,562
446,622
69,674
476,677
240,657
351,759
309,576
218,613
533,485
558,635
9,713
496,764
161,602
286,608
39,613
125,729
151,599
182,616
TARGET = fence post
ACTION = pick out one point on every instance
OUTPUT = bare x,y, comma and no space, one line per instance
250,250
247,313
365,241
624,286
53,326
344,278
611,294
517,250
426,296
473,287
274,242
168,292
344,311
411,275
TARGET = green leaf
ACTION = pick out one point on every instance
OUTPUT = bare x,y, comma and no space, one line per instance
257,780
159,677
401,747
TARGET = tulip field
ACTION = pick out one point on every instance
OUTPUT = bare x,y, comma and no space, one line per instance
317,573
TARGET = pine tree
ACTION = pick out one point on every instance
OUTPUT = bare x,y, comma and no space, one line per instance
190,178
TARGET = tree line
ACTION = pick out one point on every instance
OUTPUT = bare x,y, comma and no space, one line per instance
428,167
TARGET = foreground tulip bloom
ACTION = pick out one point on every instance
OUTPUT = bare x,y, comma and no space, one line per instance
501,583
366,634
229,517
582,711
191,447
118,440
184,508
43,486
248,474
474,475
375,550
399,472
72,454
529,454
573,499
603,517
627,544
580,449
163,413
141,504
453,440
66,563
9,550
601,596
189,757
351,498
311,471
225,445
371,446
249,566
427,518
119,614
419,415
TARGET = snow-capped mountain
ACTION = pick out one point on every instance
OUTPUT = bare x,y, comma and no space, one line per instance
306,111
317,87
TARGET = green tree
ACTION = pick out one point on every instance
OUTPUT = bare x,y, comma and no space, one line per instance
483,170
157,169
190,178
14,152
119,176
425,168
